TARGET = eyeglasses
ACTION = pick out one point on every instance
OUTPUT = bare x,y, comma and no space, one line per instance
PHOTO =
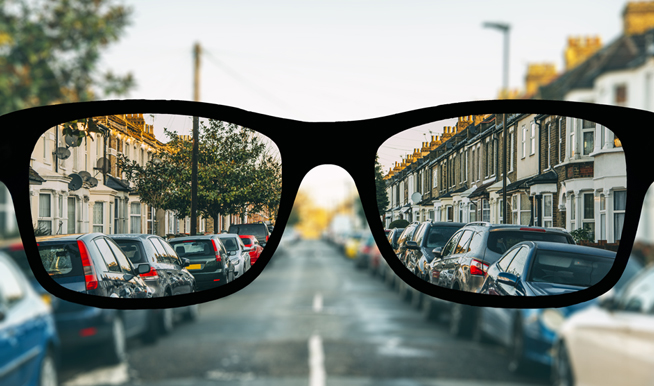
496,204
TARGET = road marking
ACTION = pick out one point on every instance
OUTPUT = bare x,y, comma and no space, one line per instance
317,302
317,373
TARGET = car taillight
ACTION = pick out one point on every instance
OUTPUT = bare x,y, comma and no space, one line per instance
89,271
152,274
478,268
266,238
215,249
533,229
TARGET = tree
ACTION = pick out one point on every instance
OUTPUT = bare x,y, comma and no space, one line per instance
380,187
49,51
235,173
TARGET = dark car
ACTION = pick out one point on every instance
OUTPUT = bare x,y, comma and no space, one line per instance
405,236
209,260
428,236
28,340
93,264
167,275
81,326
463,262
258,230
542,268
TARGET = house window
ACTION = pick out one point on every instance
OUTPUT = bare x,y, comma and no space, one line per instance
135,217
98,216
150,220
524,141
512,148
45,212
521,209
485,211
449,213
588,136
547,211
620,95
549,145
619,207
532,138
71,215
573,212
435,177
560,139
500,206
602,208
588,219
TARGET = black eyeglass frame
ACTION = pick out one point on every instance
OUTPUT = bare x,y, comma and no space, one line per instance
304,145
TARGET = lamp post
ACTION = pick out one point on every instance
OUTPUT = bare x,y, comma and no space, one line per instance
505,29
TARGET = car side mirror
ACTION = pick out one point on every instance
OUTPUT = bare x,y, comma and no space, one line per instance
438,252
143,268
248,249
185,262
507,278
607,300
411,245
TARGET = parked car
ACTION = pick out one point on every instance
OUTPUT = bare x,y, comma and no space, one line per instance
209,262
405,236
167,275
29,345
463,262
428,236
238,253
352,242
93,264
530,333
611,342
252,242
259,230
81,326
362,255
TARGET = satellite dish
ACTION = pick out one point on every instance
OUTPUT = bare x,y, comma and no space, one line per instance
93,182
75,182
85,175
62,153
103,164
416,197
71,140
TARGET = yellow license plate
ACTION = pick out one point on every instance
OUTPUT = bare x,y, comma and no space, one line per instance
194,266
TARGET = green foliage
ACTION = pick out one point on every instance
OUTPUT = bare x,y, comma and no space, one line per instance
50,50
235,173
582,234
380,187
398,224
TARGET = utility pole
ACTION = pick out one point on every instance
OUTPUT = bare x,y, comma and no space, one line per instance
194,156
505,29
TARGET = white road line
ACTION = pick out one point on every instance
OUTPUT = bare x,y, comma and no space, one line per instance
317,375
317,302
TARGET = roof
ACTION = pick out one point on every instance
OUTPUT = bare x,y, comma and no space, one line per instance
481,190
35,178
116,184
626,52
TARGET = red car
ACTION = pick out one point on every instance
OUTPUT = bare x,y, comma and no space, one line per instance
251,241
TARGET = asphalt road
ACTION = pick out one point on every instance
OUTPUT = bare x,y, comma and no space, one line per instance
310,319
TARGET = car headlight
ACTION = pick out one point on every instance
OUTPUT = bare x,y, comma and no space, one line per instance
552,318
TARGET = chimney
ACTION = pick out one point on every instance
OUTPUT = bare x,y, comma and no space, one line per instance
638,17
579,49
539,74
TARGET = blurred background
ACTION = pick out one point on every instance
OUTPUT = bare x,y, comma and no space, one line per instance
311,314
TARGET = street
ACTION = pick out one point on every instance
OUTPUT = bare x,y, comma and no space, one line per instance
310,318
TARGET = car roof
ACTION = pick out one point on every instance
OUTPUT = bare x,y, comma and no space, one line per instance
562,247
132,236
66,237
197,237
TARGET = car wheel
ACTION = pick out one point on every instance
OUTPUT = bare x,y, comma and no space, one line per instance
117,344
192,313
48,370
517,361
166,321
461,320
562,369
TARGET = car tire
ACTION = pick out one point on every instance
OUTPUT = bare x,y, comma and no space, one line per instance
48,370
166,321
117,347
562,374
192,313
517,361
461,320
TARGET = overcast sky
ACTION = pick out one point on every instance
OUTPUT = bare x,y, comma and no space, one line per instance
346,60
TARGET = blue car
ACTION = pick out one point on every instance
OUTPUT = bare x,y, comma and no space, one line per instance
28,340
530,333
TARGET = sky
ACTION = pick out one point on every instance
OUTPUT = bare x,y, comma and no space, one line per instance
345,60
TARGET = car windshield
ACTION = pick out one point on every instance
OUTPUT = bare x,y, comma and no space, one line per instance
132,250
438,236
568,268
501,241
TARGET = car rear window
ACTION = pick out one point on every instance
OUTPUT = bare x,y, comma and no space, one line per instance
61,259
501,241
249,229
194,250
230,243
438,236
569,268
132,249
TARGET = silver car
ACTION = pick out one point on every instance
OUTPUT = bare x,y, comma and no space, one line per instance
239,254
